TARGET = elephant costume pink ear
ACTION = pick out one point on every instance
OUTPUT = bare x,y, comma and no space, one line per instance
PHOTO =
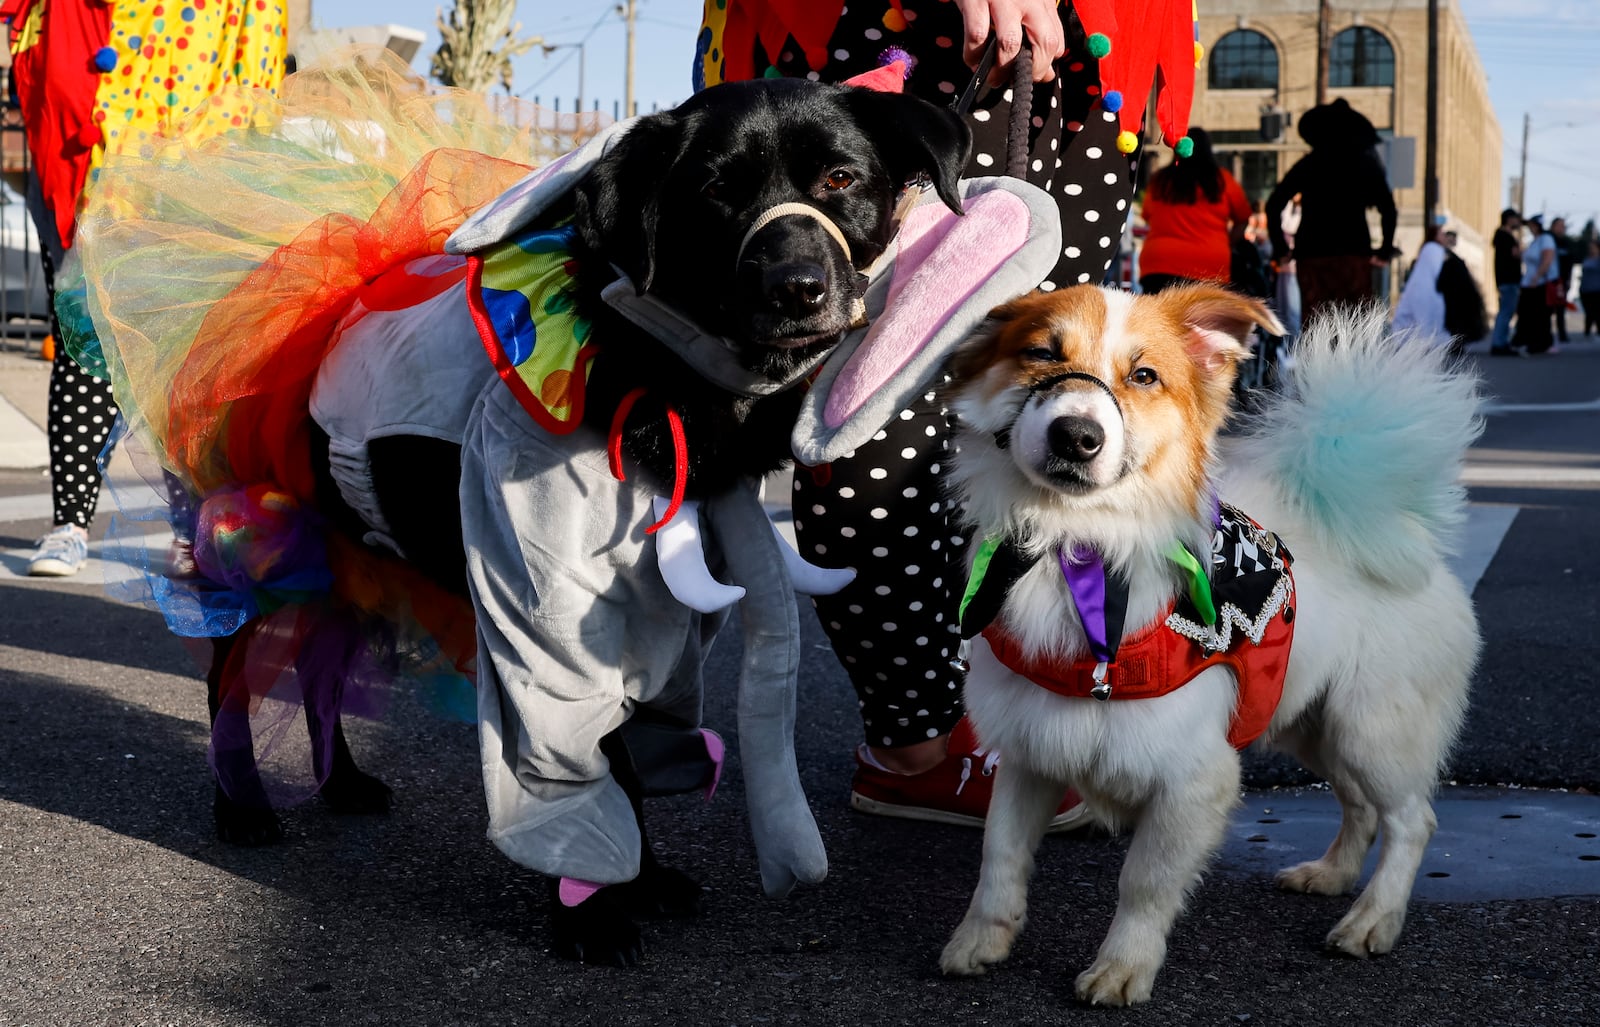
934,286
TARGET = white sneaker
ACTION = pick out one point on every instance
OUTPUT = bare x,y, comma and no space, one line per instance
61,553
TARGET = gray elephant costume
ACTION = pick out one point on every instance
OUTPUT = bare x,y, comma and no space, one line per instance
588,617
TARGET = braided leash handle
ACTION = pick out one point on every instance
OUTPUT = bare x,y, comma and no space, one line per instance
1018,130
1019,127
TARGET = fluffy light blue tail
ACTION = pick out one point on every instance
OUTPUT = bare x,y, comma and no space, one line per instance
1368,443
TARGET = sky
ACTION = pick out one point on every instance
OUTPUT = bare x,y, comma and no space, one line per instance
1542,58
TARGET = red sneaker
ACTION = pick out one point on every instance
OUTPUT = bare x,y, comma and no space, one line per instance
956,791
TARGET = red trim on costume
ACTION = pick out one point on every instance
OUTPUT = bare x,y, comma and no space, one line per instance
680,470
614,436
1163,661
508,371
56,84
680,453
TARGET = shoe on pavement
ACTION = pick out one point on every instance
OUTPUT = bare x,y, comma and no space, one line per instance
1505,351
61,553
956,791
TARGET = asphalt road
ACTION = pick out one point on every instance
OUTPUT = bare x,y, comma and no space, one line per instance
118,907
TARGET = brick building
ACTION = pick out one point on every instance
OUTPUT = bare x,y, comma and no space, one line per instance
1262,54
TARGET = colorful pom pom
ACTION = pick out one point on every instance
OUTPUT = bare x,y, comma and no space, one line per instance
1112,101
1099,44
1127,142
1199,53
105,59
894,20
1184,147
895,53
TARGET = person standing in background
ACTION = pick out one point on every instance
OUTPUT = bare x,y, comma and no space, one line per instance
1337,181
1465,319
1421,307
1286,280
1589,287
1566,260
1539,271
1507,280
94,79
1195,211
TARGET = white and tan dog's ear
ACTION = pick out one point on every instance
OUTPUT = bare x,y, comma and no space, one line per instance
1219,323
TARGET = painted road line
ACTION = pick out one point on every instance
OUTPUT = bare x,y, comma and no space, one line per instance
1542,408
1528,475
1480,539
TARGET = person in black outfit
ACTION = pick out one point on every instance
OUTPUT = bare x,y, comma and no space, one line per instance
1566,259
1337,181
1507,280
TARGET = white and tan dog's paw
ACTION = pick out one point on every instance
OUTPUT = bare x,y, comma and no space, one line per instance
977,945
1112,982
1366,932
1316,877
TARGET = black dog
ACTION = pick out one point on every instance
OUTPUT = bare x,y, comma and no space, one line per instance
672,205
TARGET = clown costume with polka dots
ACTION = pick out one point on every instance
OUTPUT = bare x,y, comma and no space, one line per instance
882,510
100,78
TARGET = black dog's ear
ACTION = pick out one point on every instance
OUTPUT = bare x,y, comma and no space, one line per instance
618,205
914,138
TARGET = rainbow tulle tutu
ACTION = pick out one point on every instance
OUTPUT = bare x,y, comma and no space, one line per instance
212,277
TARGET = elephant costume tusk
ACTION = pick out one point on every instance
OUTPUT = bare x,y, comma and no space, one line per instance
808,578
681,555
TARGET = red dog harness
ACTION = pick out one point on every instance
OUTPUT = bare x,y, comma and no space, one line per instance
1161,661
1252,632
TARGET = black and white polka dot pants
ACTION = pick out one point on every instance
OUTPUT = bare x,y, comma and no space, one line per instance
77,423
883,510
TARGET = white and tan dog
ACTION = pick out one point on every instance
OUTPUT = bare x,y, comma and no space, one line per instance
1090,423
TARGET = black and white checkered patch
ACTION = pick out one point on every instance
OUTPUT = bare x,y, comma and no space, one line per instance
1240,546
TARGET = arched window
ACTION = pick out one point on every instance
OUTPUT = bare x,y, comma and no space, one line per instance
1361,57
1243,59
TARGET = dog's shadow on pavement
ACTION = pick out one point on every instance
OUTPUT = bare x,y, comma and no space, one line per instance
82,623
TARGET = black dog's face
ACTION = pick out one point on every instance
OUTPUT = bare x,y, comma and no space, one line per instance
674,202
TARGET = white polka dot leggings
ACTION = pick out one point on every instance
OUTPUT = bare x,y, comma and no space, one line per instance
883,510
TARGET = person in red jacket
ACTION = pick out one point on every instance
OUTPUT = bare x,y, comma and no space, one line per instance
1195,211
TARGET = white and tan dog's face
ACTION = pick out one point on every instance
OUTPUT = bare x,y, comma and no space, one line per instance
1104,399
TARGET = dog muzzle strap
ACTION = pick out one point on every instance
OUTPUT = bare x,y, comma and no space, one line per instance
1002,436
783,210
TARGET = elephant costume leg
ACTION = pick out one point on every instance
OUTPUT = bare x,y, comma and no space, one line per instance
788,845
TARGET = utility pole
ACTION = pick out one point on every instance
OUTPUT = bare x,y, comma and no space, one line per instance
1430,160
629,11
1522,176
1324,44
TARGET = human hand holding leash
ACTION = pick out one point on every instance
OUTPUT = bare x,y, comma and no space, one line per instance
1009,19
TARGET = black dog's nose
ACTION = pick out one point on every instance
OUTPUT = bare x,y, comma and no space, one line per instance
795,290
1075,438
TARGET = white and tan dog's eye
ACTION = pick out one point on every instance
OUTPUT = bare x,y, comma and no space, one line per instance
1144,376
1038,353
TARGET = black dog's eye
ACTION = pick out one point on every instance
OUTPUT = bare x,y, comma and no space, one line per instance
1038,353
1144,376
839,178
714,189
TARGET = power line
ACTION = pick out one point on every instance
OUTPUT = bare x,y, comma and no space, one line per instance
573,47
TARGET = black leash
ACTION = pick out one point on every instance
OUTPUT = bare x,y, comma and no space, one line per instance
1018,129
